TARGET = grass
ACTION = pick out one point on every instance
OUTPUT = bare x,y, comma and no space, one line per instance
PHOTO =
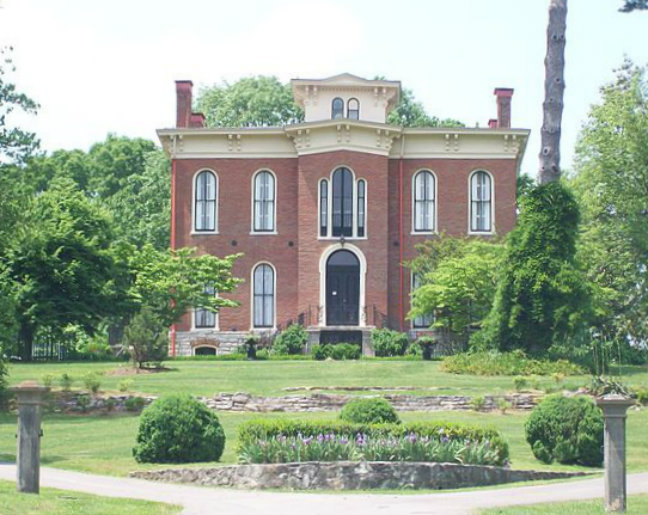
102,444
63,502
637,505
270,377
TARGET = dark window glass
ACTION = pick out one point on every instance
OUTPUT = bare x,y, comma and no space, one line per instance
264,202
422,321
480,202
424,202
342,202
263,293
204,317
361,208
324,208
337,108
205,202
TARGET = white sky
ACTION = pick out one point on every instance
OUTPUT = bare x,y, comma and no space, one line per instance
99,66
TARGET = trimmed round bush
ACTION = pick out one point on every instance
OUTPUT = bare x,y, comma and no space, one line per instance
178,429
291,340
567,430
369,411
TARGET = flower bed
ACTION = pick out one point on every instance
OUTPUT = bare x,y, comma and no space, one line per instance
281,441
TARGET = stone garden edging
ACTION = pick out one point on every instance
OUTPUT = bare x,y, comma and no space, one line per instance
348,475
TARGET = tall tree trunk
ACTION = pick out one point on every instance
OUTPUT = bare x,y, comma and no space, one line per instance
554,92
26,339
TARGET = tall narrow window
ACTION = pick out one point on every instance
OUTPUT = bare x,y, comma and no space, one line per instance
263,296
421,321
480,202
337,108
264,202
424,197
323,214
342,202
204,318
205,202
353,109
362,194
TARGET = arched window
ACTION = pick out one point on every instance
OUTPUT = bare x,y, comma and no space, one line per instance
361,217
263,296
264,202
424,197
342,202
337,108
353,109
323,214
480,202
421,321
205,202
204,318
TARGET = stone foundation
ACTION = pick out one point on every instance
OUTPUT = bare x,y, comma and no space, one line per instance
224,342
346,475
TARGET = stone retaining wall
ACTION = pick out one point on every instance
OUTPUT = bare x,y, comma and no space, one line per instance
346,475
242,401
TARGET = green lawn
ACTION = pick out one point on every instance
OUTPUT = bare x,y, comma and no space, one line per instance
637,505
62,502
269,377
102,444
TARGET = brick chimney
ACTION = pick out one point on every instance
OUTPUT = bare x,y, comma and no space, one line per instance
183,103
503,107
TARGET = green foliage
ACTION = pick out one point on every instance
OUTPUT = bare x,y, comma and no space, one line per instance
642,396
178,429
147,339
410,113
66,381
505,363
520,383
47,380
568,430
337,351
83,402
291,340
389,343
503,405
542,296
600,385
91,382
125,385
134,404
611,184
110,404
372,410
458,281
477,403
259,101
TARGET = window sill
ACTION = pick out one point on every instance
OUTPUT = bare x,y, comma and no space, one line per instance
424,233
263,233
346,238
481,233
203,233
214,328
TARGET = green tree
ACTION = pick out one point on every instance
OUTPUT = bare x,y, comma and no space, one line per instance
16,144
542,296
249,102
62,264
146,338
611,183
410,113
459,281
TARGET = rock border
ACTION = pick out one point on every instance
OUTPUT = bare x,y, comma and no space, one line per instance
348,475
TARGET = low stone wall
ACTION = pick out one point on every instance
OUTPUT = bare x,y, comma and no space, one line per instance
242,401
69,402
346,475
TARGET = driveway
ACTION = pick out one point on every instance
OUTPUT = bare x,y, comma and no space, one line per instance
205,500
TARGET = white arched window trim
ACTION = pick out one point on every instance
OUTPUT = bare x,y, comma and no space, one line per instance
194,179
435,223
274,298
329,223
492,203
353,109
253,199
337,114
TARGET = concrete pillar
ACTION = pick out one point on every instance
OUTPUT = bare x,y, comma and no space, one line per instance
29,397
614,408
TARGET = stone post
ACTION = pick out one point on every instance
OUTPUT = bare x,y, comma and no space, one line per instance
614,408
29,399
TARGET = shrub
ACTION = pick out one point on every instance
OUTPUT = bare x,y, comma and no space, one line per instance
48,380
601,385
642,396
291,340
134,403
336,351
520,383
388,343
125,385
83,402
478,403
503,405
110,404
146,338
492,363
66,381
178,429
91,382
568,430
270,440
372,410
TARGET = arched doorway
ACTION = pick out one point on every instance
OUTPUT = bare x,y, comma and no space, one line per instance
342,288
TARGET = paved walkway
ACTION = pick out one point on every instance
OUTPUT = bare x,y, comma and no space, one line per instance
205,500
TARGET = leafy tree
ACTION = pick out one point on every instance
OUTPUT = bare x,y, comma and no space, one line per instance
542,297
62,264
146,338
459,284
611,183
16,144
410,113
249,102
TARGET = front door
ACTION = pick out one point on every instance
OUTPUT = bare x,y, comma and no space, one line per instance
342,288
